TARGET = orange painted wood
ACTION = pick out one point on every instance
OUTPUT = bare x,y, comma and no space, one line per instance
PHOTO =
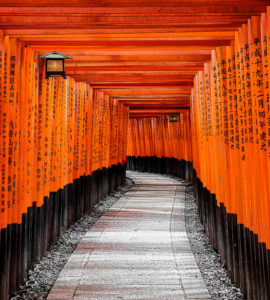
150,58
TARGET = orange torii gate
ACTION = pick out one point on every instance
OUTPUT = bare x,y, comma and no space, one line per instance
62,140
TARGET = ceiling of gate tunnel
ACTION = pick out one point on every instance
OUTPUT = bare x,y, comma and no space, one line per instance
143,53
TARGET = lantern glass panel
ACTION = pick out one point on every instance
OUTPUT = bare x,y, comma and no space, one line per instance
173,118
55,65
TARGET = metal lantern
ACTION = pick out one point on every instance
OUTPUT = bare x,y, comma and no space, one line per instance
173,118
55,64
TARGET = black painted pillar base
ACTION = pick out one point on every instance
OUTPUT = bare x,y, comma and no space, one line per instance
247,260
23,245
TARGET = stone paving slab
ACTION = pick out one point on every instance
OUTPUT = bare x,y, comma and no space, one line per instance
138,249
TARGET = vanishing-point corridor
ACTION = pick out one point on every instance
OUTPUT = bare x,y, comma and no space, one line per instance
90,89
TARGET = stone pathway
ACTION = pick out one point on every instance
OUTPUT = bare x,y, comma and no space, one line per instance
138,249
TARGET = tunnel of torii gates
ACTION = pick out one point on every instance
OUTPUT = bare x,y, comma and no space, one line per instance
66,143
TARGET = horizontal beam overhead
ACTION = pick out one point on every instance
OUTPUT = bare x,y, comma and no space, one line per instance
144,53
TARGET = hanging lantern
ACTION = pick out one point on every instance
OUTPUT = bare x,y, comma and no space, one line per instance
173,118
55,64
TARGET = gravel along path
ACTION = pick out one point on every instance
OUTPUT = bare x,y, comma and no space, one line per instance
215,276
42,277
44,274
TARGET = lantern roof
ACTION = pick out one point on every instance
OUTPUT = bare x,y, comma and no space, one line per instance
55,55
